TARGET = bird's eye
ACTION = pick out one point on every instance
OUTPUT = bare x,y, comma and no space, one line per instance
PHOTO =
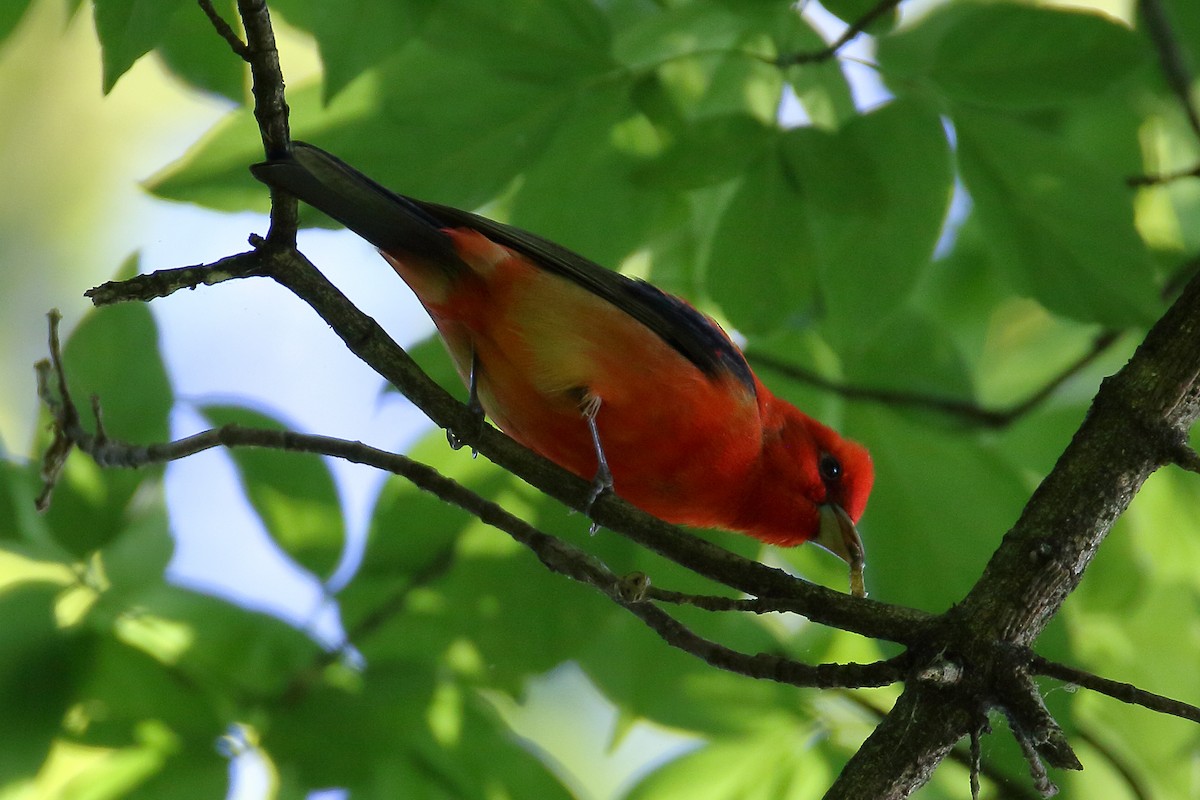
830,467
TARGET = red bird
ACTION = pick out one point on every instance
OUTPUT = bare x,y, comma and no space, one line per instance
606,376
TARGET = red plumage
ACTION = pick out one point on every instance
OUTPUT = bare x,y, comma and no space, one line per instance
689,432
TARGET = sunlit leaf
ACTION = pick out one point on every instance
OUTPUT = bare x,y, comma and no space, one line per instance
11,14
778,762
216,644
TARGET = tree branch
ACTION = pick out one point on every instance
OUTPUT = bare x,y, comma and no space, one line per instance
1125,692
165,282
1005,786
1135,422
225,31
557,555
855,28
271,111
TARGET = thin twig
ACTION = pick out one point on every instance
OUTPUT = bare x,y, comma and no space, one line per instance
54,392
996,418
765,605
767,666
1171,57
1125,692
225,30
1187,458
976,758
855,28
1037,770
164,282
1166,177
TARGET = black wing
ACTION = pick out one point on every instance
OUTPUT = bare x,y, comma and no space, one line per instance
399,224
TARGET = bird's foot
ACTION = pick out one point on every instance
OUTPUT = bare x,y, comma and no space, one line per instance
602,483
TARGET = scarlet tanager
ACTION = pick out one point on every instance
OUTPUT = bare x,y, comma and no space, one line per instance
605,375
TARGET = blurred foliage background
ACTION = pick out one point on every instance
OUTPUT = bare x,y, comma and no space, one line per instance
967,231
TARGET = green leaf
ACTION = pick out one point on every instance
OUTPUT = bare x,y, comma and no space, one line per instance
648,679
1118,640
912,352
494,762
1185,25
155,764
192,50
139,556
658,36
355,36
581,191
413,535
128,29
1060,225
703,58
711,150
40,666
369,726
221,647
19,521
11,13
777,763
763,263
442,153
113,353
877,193
559,41
796,225
393,731
293,493
127,686
967,52
938,510
195,771
437,584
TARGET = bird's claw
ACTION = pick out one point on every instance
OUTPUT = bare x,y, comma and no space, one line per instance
474,405
457,442
602,483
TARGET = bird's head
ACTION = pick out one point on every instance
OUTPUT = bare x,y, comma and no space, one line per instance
813,486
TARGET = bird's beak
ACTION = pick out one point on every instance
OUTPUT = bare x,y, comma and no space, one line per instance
839,536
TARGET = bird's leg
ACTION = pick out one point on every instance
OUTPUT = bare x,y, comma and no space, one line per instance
472,403
603,481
